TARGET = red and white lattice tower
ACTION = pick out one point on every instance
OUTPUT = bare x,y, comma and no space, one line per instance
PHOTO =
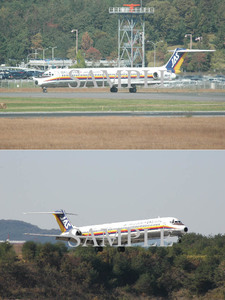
131,34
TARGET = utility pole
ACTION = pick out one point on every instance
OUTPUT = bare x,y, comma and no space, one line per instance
53,52
154,44
189,34
76,30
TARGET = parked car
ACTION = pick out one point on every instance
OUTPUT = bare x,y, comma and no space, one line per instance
18,74
34,73
5,75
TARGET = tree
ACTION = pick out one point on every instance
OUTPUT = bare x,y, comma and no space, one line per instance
80,61
93,54
220,38
105,45
86,42
71,53
29,251
146,283
7,253
36,41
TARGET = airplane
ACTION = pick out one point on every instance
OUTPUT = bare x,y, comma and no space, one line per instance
115,77
119,234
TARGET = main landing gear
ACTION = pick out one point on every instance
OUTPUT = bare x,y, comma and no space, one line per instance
121,249
44,89
100,249
113,89
133,89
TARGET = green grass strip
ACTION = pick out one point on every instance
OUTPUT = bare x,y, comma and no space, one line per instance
19,104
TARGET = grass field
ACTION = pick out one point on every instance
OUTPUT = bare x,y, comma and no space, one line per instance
19,104
112,133
109,132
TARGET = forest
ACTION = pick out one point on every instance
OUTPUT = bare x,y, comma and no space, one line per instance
194,268
35,25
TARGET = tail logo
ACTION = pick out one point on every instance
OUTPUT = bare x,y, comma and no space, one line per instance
65,222
175,59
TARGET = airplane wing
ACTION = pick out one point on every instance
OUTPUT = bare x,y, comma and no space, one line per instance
42,234
66,237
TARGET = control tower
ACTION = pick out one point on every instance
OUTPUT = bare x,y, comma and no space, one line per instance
131,34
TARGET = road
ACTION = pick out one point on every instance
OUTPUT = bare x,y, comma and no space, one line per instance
185,96
112,114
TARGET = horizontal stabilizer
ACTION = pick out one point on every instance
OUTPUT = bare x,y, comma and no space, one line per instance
46,212
67,236
192,50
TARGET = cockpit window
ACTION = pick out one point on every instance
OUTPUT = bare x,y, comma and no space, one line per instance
177,222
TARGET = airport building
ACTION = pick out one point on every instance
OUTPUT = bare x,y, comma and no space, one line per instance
65,63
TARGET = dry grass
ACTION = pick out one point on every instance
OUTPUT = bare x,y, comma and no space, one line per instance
113,133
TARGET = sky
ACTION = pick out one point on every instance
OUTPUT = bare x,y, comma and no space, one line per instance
110,186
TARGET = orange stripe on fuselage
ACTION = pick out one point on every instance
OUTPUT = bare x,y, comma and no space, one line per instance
114,231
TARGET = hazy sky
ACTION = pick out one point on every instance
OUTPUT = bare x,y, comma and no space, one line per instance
110,186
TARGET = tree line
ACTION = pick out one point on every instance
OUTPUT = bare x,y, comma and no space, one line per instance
29,26
193,268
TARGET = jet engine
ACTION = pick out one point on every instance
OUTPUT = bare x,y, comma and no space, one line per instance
156,75
72,242
76,231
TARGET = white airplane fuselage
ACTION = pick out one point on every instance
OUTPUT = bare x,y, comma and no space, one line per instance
119,234
126,233
115,77
101,77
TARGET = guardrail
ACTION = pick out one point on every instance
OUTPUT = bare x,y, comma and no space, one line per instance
17,83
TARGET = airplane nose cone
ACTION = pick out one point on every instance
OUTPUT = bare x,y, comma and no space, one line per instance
185,229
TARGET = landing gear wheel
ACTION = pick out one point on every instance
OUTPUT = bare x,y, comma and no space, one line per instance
98,249
44,89
113,89
133,89
121,249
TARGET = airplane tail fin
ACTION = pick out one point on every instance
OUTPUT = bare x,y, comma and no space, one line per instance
178,56
176,60
62,220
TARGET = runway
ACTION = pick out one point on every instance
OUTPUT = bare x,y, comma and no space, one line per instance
182,96
112,114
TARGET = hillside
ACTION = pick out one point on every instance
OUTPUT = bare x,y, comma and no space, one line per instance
38,26
15,231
